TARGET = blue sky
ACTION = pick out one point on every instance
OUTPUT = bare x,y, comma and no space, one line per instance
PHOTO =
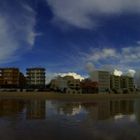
70,36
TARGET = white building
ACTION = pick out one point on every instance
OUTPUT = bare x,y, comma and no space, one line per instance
103,80
137,79
59,84
66,84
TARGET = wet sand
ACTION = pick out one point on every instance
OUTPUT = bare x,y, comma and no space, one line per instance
67,97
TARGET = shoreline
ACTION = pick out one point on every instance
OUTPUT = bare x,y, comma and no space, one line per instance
66,97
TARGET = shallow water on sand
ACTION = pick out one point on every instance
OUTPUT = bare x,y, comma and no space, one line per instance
60,120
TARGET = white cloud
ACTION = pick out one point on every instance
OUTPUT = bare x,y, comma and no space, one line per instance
6,41
90,67
17,24
117,61
98,54
117,72
27,7
75,75
84,13
131,72
125,56
130,54
51,76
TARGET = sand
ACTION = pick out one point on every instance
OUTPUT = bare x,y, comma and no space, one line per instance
67,97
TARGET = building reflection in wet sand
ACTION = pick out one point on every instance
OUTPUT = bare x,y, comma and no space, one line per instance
9,108
35,109
68,109
103,110
105,119
125,107
99,110
137,110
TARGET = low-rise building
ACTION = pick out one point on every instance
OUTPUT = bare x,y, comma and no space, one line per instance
73,85
59,84
66,84
89,87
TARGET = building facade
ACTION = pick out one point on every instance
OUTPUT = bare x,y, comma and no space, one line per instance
73,85
66,84
22,81
115,83
10,78
103,80
127,82
89,87
120,84
35,77
59,84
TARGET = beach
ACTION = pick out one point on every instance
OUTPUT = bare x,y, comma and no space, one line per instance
67,97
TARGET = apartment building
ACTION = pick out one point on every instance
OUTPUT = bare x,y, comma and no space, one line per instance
35,77
119,84
115,82
127,82
9,77
103,80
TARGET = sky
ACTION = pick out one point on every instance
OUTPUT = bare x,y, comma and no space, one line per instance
70,36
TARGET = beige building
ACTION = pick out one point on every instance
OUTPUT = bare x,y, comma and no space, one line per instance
120,84
127,82
74,85
36,77
115,82
11,78
103,80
